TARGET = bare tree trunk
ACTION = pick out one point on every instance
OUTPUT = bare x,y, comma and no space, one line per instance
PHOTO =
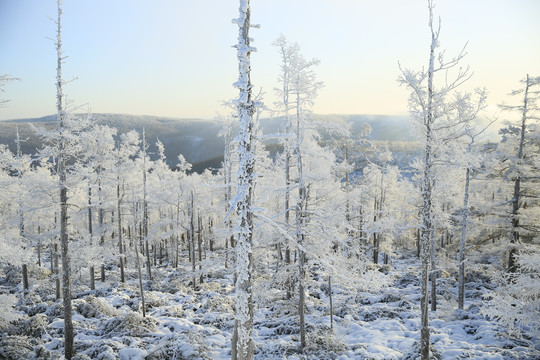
331,305
199,246
176,246
211,234
462,242
375,248
100,209
57,272
25,276
433,273
39,246
418,241
137,258
119,223
92,278
192,241
148,261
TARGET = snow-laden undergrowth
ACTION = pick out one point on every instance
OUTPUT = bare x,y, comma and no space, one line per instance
183,323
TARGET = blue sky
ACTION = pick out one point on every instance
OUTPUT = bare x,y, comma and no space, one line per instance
174,58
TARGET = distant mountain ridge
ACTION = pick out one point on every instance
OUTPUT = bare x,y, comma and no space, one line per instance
196,139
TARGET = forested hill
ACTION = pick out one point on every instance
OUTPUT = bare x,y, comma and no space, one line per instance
198,140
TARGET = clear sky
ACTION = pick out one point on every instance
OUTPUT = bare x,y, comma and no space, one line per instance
174,57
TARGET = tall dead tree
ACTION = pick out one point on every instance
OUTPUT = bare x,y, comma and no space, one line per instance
298,88
304,87
119,216
242,346
432,108
145,209
62,176
192,241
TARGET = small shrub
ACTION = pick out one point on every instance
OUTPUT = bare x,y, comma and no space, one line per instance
16,347
9,314
324,339
38,272
133,324
94,307
151,300
41,353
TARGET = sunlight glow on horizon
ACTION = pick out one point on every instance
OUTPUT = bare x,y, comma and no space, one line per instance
175,59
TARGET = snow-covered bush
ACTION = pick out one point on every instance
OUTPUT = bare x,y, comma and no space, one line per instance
8,313
32,327
154,299
92,307
515,304
35,273
133,324
218,303
16,347
186,345
323,339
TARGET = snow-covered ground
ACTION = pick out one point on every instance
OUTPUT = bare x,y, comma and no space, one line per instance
185,324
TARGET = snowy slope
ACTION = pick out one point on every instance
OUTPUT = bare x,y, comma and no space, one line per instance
187,324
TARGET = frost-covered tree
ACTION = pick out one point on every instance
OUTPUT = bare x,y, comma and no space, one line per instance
523,164
63,186
96,176
227,171
434,108
288,53
304,88
514,303
242,342
14,176
145,221
469,156
385,199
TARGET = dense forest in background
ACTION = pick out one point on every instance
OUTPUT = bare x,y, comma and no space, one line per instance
287,235
199,141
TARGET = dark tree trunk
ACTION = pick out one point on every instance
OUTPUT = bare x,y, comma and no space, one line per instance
25,276
92,279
